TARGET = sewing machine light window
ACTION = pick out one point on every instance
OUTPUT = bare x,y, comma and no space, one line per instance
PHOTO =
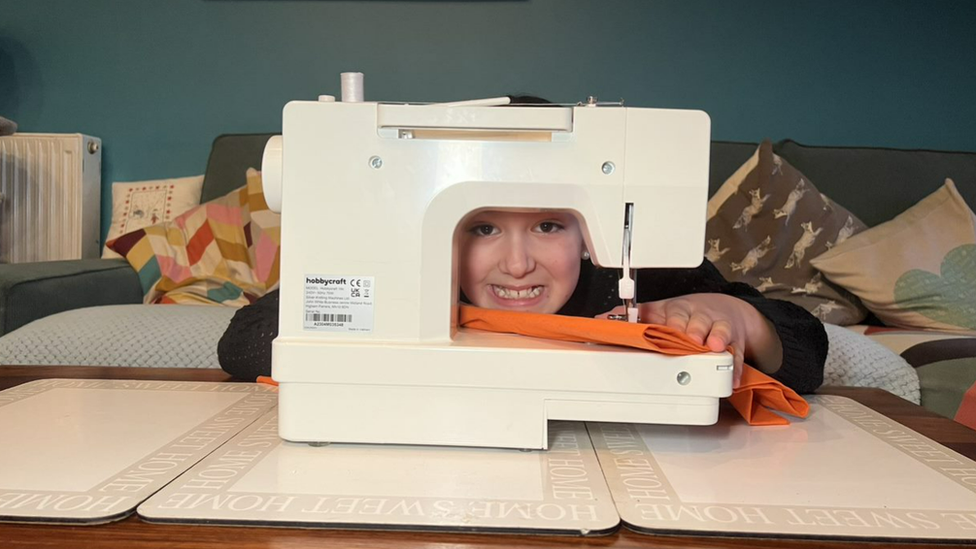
474,135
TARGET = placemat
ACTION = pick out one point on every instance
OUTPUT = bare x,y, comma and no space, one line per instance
89,451
257,479
844,472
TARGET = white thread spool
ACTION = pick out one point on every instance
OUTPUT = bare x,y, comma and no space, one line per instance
352,87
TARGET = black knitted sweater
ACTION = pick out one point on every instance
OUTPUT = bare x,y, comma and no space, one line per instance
244,350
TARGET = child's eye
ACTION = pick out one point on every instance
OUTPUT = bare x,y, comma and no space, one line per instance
483,230
549,227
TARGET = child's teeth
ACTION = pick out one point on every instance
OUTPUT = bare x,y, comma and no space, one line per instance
528,293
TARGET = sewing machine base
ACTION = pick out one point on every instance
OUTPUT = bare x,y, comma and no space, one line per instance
481,389
460,416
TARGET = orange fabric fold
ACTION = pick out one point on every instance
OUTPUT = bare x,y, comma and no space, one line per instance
756,395
267,380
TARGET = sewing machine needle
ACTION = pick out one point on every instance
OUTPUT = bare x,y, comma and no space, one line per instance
627,287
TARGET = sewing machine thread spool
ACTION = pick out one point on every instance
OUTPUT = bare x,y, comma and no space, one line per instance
352,87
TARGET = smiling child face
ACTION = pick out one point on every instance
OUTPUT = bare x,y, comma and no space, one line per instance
520,261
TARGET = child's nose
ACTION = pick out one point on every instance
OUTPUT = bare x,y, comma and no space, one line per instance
518,261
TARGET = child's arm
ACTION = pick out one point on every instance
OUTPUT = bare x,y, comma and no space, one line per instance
244,351
795,356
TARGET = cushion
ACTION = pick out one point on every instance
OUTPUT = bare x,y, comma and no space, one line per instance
152,336
854,360
946,366
143,203
225,251
917,270
766,222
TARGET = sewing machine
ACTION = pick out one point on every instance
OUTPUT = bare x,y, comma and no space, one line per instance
371,194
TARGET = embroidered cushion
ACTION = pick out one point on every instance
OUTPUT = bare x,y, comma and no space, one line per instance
143,203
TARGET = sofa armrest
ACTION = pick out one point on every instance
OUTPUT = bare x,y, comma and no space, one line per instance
29,291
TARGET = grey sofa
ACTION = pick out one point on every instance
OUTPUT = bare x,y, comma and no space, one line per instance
89,312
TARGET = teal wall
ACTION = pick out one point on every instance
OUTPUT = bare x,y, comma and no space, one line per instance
158,80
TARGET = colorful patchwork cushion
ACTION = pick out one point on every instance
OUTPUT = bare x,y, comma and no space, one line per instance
946,366
225,251
766,222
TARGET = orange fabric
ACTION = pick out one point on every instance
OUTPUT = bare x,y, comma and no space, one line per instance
267,380
756,394
966,414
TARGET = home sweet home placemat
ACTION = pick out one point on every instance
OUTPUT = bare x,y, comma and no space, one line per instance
258,479
844,472
89,451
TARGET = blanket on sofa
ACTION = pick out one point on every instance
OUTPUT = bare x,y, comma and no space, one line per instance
946,366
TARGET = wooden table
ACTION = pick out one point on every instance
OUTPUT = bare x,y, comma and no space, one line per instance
132,532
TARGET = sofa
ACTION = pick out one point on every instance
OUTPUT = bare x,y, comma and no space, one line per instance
91,312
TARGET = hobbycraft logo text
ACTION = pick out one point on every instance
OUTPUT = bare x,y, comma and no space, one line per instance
326,281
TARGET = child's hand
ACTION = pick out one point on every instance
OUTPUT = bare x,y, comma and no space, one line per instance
717,321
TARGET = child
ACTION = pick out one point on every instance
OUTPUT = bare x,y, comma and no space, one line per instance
537,262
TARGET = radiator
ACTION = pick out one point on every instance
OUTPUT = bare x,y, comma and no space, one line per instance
50,197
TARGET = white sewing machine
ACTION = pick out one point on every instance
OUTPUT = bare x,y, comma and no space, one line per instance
371,194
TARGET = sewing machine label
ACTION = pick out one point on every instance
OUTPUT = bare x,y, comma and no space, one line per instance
339,303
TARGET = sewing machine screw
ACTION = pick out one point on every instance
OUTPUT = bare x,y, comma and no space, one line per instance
608,168
375,162
684,378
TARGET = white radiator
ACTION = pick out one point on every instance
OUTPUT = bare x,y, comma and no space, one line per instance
50,197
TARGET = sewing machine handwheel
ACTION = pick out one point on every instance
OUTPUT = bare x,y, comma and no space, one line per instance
271,172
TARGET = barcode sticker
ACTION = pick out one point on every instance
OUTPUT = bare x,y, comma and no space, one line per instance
339,303
321,317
